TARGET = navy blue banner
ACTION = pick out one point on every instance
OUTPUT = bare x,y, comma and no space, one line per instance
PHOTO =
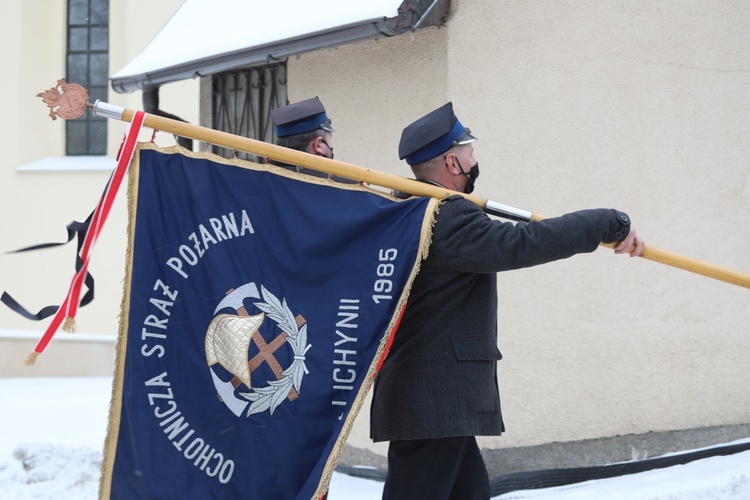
256,307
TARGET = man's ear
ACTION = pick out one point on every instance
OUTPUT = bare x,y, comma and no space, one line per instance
452,164
316,146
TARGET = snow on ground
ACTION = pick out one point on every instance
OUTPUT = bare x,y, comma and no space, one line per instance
52,430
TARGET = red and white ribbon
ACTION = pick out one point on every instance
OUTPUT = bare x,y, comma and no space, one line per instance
69,307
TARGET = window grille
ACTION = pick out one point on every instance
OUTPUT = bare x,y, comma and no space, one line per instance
242,104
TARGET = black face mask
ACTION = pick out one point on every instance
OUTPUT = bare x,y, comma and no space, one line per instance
472,175
329,149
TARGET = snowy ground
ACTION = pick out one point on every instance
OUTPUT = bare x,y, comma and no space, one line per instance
52,430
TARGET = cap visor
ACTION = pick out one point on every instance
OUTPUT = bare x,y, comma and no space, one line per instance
464,138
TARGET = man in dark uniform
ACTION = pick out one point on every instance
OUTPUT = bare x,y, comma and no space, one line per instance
305,126
437,389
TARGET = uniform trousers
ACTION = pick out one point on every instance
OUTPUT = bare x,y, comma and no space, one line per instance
436,469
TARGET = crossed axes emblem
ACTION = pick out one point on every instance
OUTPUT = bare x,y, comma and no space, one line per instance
228,341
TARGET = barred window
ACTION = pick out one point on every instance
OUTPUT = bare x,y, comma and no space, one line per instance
242,104
88,64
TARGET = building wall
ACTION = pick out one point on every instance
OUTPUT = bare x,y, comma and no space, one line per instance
639,106
369,89
38,204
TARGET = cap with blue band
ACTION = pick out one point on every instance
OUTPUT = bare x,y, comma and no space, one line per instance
300,117
432,135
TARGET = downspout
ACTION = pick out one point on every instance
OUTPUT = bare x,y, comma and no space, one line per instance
151,106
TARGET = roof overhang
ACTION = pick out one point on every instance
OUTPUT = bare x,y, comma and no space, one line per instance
205,37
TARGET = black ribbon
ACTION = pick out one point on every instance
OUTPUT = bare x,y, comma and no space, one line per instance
74,229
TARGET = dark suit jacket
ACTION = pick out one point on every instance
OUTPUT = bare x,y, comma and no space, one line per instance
440,376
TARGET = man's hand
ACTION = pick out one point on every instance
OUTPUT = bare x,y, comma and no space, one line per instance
632,244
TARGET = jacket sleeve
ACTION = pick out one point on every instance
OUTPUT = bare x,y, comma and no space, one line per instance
465,239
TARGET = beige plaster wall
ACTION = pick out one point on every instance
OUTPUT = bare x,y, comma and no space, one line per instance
369,87
37,205
641,106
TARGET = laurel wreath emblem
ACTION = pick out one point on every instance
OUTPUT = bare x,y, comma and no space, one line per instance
271,396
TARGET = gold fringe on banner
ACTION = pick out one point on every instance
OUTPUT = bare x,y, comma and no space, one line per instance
115,402
338,447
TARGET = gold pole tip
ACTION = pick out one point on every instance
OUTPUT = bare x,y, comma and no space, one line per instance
70,99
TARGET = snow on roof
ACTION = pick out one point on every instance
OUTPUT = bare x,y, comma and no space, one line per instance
205,37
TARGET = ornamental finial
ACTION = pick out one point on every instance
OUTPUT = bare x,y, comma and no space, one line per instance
70,99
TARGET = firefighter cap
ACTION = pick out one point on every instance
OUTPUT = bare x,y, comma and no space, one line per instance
300,117
433,134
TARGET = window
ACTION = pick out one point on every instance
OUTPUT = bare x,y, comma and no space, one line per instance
88,65
242,103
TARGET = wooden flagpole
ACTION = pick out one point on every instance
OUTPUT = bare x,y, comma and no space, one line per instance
386,180
410,186
394,182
